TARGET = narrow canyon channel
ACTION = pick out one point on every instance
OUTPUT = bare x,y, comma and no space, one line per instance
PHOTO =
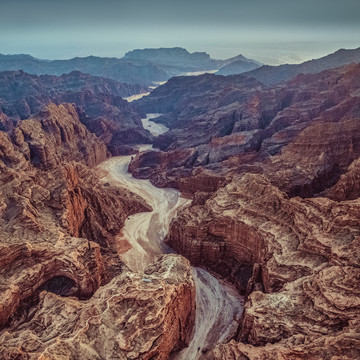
218,305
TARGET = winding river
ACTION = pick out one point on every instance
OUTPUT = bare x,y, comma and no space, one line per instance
218,305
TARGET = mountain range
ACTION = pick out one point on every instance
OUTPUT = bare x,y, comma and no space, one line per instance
276,74
145,67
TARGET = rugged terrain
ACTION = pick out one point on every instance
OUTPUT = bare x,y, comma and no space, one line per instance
101,107
272,172
135,316
302,134
275,203
303,257
58,248
276,74
123,70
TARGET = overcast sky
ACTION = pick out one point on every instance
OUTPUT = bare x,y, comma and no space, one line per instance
272,31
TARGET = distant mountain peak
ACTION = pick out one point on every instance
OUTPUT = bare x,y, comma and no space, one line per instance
141,66
167,56
271,75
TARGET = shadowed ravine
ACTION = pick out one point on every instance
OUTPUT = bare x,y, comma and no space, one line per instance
217,305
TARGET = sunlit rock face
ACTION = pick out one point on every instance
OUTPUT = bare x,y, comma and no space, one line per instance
134,316
58,222
282,220
303,253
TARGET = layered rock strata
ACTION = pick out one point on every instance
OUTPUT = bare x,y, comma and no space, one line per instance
302,134
58,222
135,316
100,105
303,286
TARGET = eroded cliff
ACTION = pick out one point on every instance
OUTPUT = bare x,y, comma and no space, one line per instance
296,260
302,134
135,316
99,104
50,204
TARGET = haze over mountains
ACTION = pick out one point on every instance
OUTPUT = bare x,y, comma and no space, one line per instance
276,74
146,67
153,66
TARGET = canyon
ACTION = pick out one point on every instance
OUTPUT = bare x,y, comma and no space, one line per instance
275,203
228,227
59,254
98,101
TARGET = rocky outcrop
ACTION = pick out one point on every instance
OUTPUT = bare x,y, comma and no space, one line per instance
342,345
100,106
316,317
58,222
92,209
320,304
5,122
174,169
135,316
296,258
322,152
29,266
55,135
348,186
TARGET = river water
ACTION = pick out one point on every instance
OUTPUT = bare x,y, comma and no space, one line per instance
218,305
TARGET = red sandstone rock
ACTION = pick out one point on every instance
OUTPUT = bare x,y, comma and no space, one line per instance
55,135
98,100
348,186
135,316
302,134
44,208
307,253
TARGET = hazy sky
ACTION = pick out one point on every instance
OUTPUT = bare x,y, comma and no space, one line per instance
272,31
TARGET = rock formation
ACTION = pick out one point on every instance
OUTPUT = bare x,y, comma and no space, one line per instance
348,185
101,108
48,201
135,316
294,258
297,258
257,129
57,134
273,173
